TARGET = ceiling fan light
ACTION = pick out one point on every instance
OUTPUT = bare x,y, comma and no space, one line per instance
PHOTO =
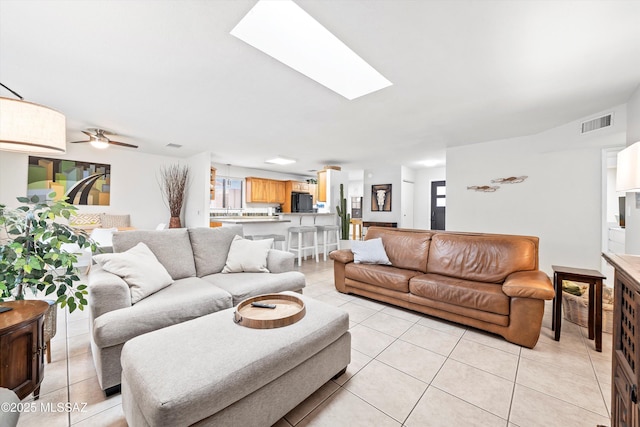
31,128
100,143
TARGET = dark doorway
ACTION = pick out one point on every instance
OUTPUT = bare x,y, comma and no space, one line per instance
438,204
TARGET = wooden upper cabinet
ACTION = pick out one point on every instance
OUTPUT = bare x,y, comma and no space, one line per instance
212,182
262,190
299,187
277,191
313,190
257,190
322,186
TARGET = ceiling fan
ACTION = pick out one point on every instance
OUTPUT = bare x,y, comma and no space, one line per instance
98,138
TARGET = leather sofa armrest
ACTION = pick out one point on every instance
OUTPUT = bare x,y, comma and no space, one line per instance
280,261
528,284
344,256
107,292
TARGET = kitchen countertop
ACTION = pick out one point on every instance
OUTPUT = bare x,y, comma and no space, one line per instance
265,219
307,213
247,219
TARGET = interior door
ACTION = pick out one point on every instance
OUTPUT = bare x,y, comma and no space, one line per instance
406,202
438,204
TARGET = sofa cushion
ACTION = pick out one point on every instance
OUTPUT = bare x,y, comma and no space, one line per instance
171,247
389,277
405,249
485,258
139,267
244,285
369,252
184,300
247,256
110,221
211,246
465,293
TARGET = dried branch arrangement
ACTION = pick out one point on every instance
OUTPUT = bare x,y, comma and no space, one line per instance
174,180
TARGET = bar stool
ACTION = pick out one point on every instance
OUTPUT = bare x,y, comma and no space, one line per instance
356,223
326,231
300,248
277,238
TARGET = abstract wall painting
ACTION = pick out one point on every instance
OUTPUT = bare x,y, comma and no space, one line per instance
83,183
381,198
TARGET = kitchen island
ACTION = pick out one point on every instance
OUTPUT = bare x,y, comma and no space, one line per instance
260,225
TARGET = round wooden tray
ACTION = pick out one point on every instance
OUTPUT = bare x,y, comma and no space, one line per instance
289,309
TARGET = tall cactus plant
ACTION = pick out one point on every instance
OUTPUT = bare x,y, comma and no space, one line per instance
345,218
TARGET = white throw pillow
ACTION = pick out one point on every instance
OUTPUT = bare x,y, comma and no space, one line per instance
369,252
139,267
248,255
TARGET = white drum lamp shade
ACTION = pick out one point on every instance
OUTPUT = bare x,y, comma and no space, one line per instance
628,177
32,128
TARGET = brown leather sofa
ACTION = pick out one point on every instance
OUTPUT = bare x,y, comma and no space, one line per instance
487,281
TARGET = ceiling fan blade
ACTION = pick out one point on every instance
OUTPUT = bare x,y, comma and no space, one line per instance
76,142
123,144
88,133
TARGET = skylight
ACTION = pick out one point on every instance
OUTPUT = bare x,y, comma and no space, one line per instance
282,30
280,161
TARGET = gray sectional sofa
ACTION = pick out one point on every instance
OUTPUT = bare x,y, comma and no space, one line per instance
194,258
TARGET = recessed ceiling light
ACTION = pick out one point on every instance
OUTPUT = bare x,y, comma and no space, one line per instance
432,163
280,161
282,30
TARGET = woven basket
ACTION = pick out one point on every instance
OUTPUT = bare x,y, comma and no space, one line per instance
576,310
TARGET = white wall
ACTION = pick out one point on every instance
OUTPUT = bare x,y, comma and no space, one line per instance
196,207
560,202
422,195
632,242
134,184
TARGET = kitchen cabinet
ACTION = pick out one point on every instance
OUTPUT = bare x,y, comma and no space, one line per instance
277,191
22,347
313,190
299,187
322,186
257,190
262,190
625,410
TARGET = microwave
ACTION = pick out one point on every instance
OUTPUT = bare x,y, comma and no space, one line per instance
301,202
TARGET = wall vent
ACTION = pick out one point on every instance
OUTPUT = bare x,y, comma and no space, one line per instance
172,145
599,123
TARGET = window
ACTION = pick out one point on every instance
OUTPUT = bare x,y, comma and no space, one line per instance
228,193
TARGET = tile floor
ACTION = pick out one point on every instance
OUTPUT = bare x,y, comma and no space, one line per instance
406,369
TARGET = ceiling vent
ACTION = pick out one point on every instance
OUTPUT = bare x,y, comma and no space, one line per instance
599,123
172,145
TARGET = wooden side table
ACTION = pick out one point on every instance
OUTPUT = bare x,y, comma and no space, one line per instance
22,346
594,279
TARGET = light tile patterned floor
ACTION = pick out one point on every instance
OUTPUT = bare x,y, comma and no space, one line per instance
406,369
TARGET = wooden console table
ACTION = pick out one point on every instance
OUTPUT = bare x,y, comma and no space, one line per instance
625,360
379,224
22,347
594,279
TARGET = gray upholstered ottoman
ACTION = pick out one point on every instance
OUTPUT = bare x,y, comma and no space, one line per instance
211,371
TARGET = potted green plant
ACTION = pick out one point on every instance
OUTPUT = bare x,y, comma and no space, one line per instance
32,255
345,219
